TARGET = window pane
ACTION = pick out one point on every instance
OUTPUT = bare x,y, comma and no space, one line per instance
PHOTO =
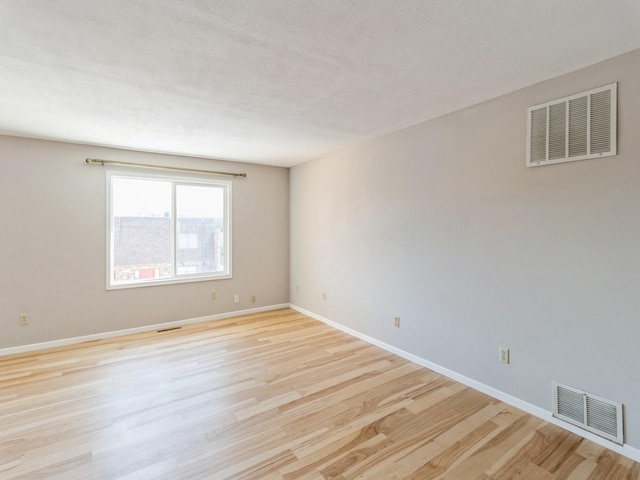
141,229
199,229
167,230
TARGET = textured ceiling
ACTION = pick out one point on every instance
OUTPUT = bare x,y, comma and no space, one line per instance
280,81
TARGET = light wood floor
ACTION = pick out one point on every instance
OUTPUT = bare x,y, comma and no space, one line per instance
269,396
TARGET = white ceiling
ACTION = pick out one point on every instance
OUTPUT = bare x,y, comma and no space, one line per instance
280,81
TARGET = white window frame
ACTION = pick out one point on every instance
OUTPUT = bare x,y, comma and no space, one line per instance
175,179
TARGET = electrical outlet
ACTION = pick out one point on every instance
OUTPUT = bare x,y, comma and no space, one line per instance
236,299
253,299
324,296
24,319
504,355
214,295
396,321
297,288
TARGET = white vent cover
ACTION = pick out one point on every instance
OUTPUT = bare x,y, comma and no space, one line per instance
577,127
591,412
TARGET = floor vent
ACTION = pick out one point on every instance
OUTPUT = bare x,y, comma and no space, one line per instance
572,128
168,329
591,412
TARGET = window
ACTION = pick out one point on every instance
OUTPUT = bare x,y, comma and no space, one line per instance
167,230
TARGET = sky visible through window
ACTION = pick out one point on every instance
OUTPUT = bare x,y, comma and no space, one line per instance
152,198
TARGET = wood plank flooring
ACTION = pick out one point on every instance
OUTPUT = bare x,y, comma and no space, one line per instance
274,396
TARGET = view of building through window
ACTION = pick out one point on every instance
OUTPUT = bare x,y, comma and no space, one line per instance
166,229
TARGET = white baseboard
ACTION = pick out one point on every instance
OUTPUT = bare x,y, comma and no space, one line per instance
128,331
626,450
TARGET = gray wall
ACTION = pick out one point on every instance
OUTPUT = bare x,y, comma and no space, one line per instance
52,246
443,225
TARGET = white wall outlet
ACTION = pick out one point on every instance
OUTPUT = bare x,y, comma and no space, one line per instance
24,319
253,299
396,321
324,296
297,288
236,299
214,295
504,355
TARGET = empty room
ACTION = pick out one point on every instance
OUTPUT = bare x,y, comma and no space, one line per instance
320,239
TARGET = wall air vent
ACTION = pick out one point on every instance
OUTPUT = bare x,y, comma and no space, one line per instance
591,412
577,127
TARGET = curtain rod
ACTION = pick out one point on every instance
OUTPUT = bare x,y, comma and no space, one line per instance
93,161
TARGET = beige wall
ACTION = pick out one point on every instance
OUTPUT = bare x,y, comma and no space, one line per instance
52,246
443,225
